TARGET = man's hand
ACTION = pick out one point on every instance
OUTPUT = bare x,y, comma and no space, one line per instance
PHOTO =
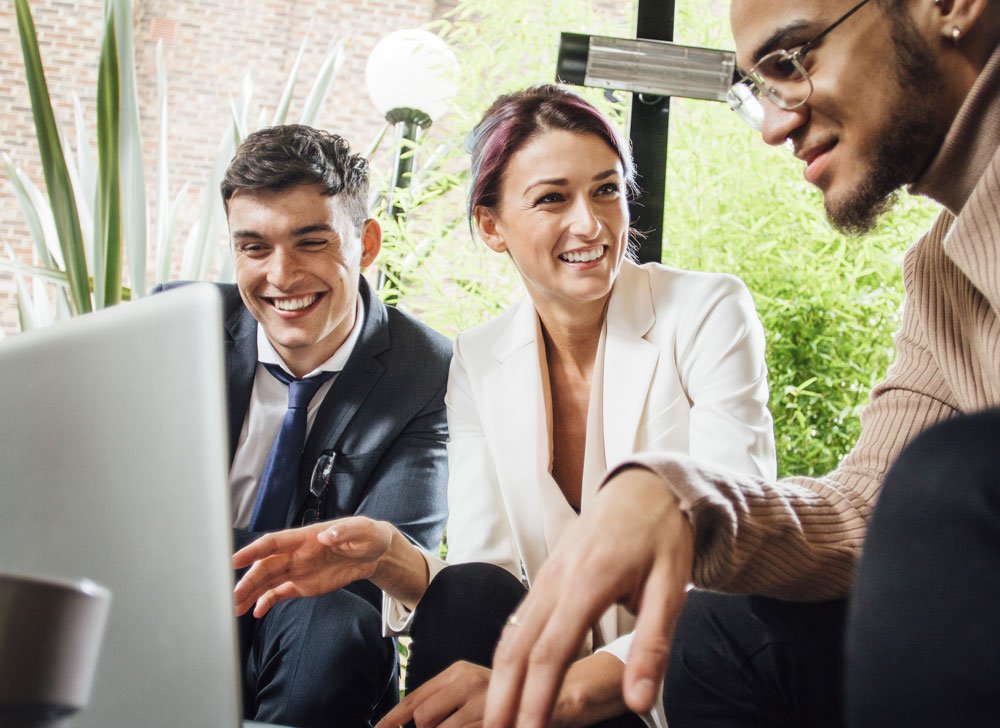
632,546
308,561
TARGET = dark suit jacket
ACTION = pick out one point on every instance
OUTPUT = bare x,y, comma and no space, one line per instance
383,418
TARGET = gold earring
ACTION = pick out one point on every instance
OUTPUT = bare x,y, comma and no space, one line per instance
956,34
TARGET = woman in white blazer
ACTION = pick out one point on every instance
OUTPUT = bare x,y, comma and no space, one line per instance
602,359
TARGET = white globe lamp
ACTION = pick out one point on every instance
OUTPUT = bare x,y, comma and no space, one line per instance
410,77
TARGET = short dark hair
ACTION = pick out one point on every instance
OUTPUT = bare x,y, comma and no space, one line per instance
514,119
279,157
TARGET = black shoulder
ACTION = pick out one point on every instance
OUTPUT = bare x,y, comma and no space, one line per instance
417,339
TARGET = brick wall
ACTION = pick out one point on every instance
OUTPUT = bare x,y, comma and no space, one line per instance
209,46
69,34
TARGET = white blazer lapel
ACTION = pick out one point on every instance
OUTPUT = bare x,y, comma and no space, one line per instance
629,361
515,416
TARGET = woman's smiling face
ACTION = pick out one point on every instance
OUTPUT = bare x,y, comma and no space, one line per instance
562,216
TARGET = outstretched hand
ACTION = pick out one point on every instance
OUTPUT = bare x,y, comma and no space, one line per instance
634,546
454,697
308,561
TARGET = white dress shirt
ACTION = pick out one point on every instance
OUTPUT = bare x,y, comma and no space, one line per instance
268,404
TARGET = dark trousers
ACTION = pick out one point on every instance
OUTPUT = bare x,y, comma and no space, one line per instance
461,616
923,647
319,662
751,662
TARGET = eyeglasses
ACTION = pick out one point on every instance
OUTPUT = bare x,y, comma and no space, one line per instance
779,77
318,484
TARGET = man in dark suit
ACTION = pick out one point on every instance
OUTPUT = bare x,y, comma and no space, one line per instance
301,315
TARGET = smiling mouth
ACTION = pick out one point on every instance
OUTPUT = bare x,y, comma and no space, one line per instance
815,151
294,303
584,256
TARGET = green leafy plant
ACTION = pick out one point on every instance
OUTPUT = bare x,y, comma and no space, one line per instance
439,272
95,223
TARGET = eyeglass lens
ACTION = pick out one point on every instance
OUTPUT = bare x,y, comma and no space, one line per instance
779,77
318,484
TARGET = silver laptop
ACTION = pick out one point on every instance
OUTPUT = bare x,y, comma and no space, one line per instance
113,467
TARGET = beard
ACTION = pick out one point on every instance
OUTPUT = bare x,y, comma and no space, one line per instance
911,137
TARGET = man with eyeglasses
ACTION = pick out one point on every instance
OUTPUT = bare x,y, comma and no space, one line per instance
336,409
871,96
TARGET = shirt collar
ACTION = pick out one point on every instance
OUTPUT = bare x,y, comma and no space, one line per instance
969,145
267,355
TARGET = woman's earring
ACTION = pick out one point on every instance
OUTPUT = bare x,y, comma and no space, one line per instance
956,34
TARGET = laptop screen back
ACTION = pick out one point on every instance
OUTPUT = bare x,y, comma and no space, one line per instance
113,462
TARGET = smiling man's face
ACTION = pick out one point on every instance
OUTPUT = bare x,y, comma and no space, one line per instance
298,258
873,121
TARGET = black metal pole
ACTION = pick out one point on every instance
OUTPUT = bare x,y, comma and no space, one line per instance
407,131
648,126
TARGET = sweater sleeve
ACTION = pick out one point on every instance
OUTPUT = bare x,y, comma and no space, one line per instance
799,538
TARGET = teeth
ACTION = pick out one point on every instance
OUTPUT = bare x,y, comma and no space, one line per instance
584,256
294,304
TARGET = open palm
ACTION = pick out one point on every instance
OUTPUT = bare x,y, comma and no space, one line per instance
308,561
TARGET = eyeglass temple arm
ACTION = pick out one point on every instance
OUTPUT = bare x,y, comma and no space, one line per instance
805,48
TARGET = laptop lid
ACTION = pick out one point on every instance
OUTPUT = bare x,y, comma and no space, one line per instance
113,463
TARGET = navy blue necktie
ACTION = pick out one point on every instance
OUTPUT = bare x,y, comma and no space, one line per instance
280,477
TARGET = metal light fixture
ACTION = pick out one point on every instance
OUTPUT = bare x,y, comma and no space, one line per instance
654,67
411,78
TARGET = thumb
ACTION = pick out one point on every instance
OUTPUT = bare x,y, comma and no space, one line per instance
345,530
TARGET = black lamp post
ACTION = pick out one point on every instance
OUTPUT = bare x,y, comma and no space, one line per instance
410,77
654,70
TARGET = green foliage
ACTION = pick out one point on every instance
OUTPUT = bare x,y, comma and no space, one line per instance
108,229
63,202
439,272
829,304
95,218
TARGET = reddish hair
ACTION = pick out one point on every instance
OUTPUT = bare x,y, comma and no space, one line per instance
514,119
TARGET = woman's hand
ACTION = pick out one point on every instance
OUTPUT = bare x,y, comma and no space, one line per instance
303,562
453,698
457,696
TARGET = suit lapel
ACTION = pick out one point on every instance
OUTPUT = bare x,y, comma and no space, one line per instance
629,362
241,366
514,411
350,389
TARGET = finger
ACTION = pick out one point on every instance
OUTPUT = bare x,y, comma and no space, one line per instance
510,660
468,715
558,644
342,530
401,714
272,596
260,577
356,535
264,546
662,600
415,701
242,606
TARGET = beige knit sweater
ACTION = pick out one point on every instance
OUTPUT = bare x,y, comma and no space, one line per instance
800,538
